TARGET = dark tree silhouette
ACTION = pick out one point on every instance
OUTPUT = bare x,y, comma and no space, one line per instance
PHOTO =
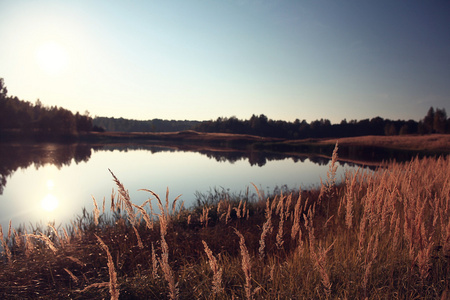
22,118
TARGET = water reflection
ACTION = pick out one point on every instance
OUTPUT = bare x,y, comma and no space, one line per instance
49,203
15,156
56,181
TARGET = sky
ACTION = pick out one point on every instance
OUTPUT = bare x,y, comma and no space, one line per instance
204,59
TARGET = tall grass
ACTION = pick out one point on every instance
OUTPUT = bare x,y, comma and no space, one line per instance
381,234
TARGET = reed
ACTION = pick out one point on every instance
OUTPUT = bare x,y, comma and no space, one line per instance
5,245
113,285
246,266
217,272
267,229
45,239
96,211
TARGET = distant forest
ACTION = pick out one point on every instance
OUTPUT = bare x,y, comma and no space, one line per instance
435,121
155,125
23,118
18,117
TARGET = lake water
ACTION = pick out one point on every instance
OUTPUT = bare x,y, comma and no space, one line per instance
53,182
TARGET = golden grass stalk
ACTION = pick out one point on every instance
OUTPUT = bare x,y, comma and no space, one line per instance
113,196
319,257
167,270
138,237
167,200
9,230
125,198
45,239
287,206
279,238
76,260
267,228
238,210
396,237
28,245
219,206
74,278
257,192
163,215
246,265
280,204
217,272
113,285
244,210
95,285
164,261
5,245
227,217
66,235
174,204
148,220
96,212
424,259
349,200
371,255
310,227
154,263
204,216
56,234
318,254
331,175
17,239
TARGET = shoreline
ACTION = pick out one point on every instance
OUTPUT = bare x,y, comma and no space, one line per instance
430,142
426,144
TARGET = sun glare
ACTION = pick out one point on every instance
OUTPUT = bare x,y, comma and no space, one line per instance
50,184
49,203
52,57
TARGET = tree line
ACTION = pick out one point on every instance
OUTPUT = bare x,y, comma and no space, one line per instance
435,121
24,118
18,117
155,125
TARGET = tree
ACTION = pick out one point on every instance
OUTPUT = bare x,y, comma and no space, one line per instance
83,122
439,121
428,121
390,129
3,89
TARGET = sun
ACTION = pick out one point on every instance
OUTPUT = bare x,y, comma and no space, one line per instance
52,57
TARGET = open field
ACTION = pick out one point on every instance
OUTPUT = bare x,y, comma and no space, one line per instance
430,142
375,235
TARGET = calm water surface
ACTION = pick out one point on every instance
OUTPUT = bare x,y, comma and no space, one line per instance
56,181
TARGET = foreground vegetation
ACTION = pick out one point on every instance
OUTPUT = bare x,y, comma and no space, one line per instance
375,235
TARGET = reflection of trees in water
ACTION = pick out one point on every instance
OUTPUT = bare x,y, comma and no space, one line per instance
14,156
259,158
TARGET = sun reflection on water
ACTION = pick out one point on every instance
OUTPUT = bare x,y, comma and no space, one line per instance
49,203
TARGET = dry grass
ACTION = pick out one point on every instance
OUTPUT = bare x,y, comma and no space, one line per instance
431,142
381,234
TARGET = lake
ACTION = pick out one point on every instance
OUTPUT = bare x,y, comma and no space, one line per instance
53,182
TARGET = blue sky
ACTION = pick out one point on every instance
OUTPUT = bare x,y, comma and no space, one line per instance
199,60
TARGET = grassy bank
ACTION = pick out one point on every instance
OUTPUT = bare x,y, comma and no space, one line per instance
375,235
